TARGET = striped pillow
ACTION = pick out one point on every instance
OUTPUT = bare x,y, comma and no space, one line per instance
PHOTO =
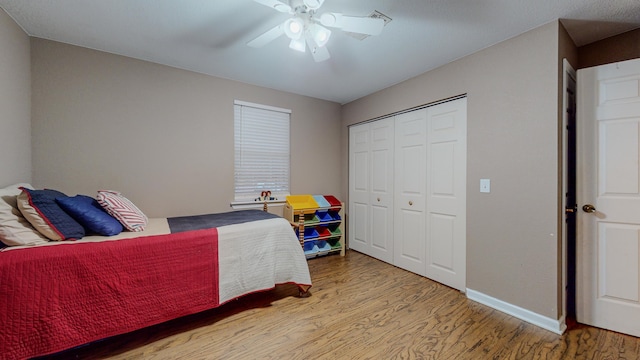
122,209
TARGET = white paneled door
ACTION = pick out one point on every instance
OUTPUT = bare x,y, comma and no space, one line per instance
359,188
371,189
410,191
430,192
608,274
381,196
446,193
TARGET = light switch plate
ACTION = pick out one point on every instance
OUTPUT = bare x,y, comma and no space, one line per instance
485,185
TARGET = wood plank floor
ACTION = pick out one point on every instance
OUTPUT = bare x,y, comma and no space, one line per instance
360,308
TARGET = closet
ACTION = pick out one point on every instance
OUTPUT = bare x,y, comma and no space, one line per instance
407,191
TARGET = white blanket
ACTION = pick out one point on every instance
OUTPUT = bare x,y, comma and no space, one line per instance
258,255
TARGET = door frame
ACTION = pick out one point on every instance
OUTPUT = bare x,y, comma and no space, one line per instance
569,193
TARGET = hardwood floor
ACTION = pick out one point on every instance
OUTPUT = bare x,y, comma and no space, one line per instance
360,308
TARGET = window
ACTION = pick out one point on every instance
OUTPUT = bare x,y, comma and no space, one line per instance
261,151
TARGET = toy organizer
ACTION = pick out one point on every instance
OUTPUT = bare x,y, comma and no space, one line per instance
317,221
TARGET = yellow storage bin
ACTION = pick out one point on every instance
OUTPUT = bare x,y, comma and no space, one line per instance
304,203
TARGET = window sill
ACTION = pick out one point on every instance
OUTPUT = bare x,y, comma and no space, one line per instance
238,205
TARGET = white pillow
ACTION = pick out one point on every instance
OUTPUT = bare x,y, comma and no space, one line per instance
14,228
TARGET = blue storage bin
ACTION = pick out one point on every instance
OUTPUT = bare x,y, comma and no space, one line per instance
322,202
309,233
323,245
310,248
309,245
323,216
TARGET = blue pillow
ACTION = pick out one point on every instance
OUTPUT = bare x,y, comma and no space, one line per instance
90,215
39,207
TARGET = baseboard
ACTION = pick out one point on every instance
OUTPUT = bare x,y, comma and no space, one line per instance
553,325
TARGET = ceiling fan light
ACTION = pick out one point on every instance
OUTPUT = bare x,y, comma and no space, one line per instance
298,44
320,34
293,28
313,4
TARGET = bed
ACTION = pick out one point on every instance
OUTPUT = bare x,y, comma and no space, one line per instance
59,295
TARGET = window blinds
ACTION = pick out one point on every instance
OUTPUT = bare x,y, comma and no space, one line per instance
261,151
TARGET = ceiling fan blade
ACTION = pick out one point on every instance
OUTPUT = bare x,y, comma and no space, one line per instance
362,25
267,37
320,53
275,4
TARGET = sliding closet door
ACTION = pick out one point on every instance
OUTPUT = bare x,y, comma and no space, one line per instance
371,189
359,188
381,196
446,193
410,191
407,191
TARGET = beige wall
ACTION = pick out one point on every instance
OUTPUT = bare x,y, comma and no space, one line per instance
512,233
15,103
622,47
160,135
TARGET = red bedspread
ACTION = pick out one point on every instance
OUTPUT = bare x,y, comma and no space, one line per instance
89,291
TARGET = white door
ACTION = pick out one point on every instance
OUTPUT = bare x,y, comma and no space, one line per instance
410,185
359,188
446,193
381,195
371,189
608,282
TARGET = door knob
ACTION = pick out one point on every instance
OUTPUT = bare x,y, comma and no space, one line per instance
589,208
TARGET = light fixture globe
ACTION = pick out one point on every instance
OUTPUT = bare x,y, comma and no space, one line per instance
320,34
294,28
298,44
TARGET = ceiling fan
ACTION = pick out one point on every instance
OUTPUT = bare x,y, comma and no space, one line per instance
307,29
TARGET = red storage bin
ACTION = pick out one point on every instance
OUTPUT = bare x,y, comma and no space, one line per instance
333,201
323,232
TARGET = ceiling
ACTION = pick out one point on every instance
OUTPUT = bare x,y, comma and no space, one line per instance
210,36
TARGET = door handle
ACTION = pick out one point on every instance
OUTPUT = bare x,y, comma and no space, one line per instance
589,208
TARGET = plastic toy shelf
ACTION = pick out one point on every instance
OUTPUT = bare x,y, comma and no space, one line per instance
317,221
